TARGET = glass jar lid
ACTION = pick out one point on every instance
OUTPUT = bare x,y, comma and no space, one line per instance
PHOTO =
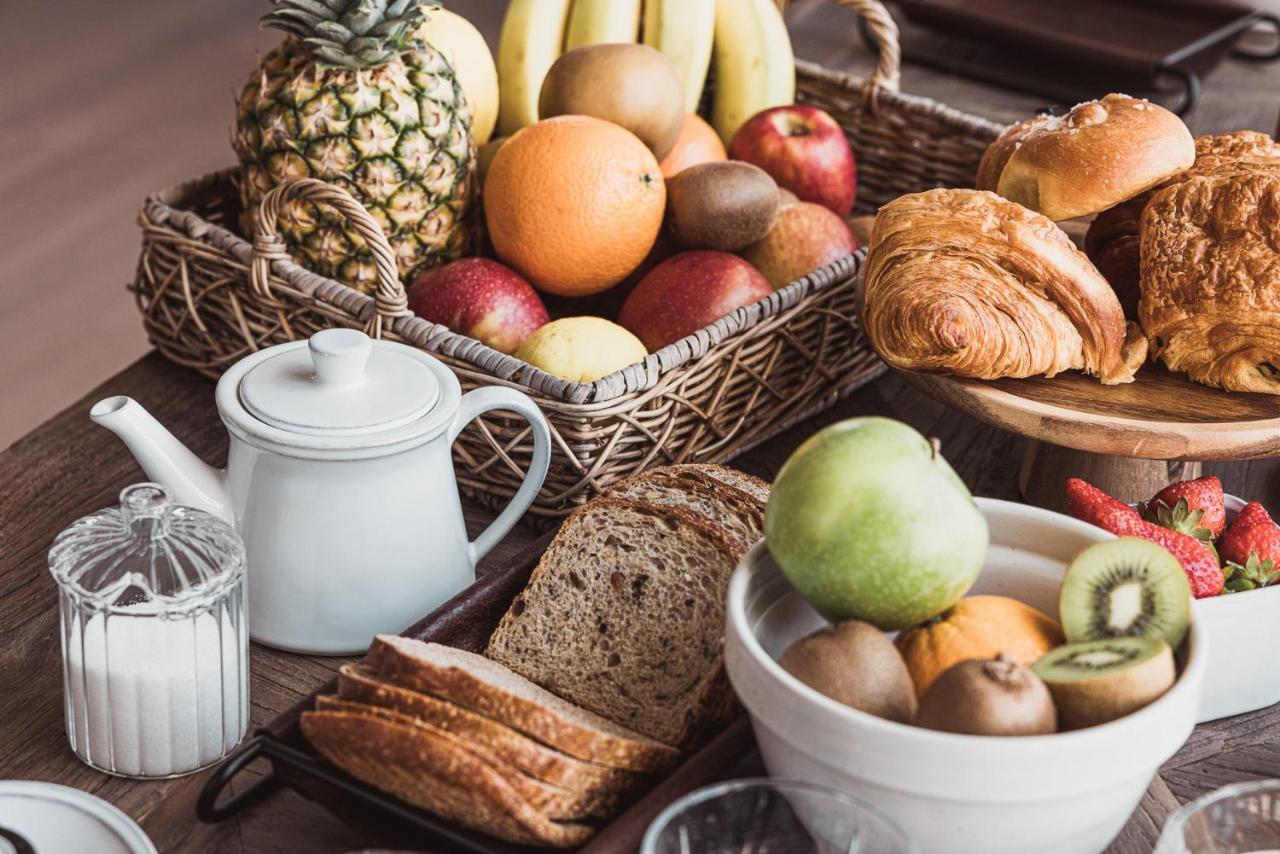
147,550
340,384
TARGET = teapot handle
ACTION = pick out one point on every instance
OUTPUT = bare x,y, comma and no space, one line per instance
482,400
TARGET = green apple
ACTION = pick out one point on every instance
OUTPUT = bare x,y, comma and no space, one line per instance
868,522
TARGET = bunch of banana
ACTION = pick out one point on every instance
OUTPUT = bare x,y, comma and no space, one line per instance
755,68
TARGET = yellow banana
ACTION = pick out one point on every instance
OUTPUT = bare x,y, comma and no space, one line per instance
532,33
683,31
755,68
602,22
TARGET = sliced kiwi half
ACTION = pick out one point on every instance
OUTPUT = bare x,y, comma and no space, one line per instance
1125,588
1094,682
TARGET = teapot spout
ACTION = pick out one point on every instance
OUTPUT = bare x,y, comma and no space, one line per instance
165,460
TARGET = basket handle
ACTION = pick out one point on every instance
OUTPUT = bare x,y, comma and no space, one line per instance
884,32
389,297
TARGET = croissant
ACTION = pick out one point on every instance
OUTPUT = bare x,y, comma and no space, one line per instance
965,282
1210,275
1112,240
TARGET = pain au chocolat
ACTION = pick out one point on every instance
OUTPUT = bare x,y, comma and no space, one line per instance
1210,275
967,283
1112,240
1093,157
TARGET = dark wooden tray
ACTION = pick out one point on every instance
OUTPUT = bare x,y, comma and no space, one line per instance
1072,51
466,621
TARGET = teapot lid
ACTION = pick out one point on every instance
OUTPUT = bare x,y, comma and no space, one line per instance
340,384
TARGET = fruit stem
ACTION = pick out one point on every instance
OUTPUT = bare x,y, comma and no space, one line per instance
935,447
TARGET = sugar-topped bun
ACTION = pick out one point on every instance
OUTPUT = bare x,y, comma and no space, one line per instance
1097,155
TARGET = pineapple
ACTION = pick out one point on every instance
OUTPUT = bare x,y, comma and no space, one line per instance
353,98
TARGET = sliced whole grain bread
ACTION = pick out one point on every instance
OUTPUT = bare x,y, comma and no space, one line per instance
492,689
434,774
738,513
359,683
555,802
748,483
624,615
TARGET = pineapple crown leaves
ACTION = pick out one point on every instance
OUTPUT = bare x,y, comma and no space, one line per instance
1180,517
350,33
1255,573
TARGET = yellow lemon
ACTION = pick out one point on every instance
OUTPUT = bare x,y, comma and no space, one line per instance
581,349
464,47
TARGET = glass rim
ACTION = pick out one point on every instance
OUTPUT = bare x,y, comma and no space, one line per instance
1178,818
782,784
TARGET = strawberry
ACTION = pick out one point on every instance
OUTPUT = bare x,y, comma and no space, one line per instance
1090,504
1191,507
1251,547
1254,574
1199,562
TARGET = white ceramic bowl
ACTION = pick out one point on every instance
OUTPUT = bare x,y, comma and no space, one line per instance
1068,793
1239,627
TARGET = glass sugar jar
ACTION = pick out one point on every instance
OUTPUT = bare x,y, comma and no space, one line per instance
155,646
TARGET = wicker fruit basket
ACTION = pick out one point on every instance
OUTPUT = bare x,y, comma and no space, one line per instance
208,297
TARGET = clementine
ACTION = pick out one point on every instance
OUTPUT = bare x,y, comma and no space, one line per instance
698,143
573,203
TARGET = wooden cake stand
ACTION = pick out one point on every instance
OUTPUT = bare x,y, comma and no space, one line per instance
1130,440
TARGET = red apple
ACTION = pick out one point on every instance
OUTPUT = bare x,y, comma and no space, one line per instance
804,237
688,291
804,150
480,298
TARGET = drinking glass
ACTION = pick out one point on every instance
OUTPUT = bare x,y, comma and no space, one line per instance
1243,818
766,816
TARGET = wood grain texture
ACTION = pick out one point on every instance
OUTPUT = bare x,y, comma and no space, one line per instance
141,99
1159,416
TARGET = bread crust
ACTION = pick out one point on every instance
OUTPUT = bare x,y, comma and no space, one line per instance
998,152
1211,275
967,283
1095,156
1112,241
603,744
435,774
555,802
360,684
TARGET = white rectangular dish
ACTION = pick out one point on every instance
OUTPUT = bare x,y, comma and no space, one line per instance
1242,629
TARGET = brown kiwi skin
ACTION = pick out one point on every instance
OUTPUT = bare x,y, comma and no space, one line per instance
856,664
993,696
725,205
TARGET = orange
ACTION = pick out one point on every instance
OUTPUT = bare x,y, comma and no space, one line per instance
573,203
976,627
698,143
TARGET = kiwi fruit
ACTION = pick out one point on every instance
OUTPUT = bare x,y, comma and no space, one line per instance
631,85
992,696
725,205
1125,588
1094,682
856,664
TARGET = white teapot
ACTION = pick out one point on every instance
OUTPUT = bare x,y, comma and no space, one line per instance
340,480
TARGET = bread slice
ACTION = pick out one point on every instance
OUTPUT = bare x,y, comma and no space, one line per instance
624,615
434,774
553,801
487,687
739,514
748,483
359,683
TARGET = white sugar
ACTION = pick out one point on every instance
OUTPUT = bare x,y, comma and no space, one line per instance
151,696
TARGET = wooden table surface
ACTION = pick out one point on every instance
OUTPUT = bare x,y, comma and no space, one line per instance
68,467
